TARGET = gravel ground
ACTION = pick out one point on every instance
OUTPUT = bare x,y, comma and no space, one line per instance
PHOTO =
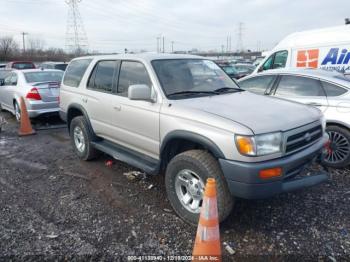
54,206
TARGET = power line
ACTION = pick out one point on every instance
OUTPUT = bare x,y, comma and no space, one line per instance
76,39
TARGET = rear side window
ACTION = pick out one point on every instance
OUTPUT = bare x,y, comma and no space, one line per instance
132,73
257,84
332,90
103,75
299,86
75,72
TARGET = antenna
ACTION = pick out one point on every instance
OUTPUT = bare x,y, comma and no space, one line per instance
76,39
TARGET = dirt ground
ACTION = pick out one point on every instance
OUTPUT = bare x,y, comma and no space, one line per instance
54,206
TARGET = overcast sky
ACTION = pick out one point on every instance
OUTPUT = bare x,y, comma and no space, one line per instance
112,25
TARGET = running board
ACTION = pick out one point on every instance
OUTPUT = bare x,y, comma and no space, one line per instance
135,159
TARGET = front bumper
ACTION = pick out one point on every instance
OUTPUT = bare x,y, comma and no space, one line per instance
244,181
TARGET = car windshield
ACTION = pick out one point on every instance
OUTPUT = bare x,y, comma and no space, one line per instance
43,76
191,76
23,66
4,73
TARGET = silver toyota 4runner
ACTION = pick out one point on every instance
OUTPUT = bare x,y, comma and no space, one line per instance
183,116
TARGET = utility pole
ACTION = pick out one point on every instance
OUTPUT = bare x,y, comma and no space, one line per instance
23,41
172,46
163,45
229,49
227,44
158,44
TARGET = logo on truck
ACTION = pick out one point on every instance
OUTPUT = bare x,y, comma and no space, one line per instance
335,57
308,58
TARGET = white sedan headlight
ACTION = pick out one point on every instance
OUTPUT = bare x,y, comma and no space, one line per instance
259,145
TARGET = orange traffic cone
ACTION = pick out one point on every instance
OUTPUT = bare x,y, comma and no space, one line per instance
25,128
207,245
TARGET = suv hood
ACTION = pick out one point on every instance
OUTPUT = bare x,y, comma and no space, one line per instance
259,113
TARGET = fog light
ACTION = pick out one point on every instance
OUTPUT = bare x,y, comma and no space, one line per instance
270,173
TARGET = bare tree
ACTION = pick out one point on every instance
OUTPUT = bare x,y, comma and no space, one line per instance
8,47
35,44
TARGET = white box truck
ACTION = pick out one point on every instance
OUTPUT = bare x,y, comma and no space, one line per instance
326,48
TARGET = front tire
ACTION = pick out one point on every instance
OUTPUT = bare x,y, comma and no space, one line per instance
338,155
81,139
185,180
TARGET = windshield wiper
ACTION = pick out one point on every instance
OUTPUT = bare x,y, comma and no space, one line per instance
227,90
192,93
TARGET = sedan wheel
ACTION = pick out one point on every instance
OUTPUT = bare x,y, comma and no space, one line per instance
338,151
17,112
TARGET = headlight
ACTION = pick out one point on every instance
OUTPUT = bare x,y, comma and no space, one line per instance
259,145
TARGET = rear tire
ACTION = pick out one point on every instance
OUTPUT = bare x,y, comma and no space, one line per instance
195,166
339,153
81,139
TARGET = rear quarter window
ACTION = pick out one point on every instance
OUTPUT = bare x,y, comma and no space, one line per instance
75,72
333,90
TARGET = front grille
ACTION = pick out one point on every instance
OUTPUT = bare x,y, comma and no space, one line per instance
303,139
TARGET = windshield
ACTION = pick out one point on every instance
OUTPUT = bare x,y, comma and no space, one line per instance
43,76
23,65
4,73
191,75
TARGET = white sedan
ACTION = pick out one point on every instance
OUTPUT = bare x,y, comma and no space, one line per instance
329,91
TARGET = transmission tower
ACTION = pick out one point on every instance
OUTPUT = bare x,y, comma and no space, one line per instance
240,37
76,39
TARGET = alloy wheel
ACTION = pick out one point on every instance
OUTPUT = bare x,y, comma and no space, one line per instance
189,189
339,148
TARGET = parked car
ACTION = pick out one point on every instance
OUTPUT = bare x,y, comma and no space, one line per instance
329,91
183,116
20,65
2,66
258,60
54,65
325,48
39,88
245,69
230,70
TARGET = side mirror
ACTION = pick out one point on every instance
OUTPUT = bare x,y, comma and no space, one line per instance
260,69
140,92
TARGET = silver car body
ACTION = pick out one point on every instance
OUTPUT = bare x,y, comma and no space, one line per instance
143,125
16,86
